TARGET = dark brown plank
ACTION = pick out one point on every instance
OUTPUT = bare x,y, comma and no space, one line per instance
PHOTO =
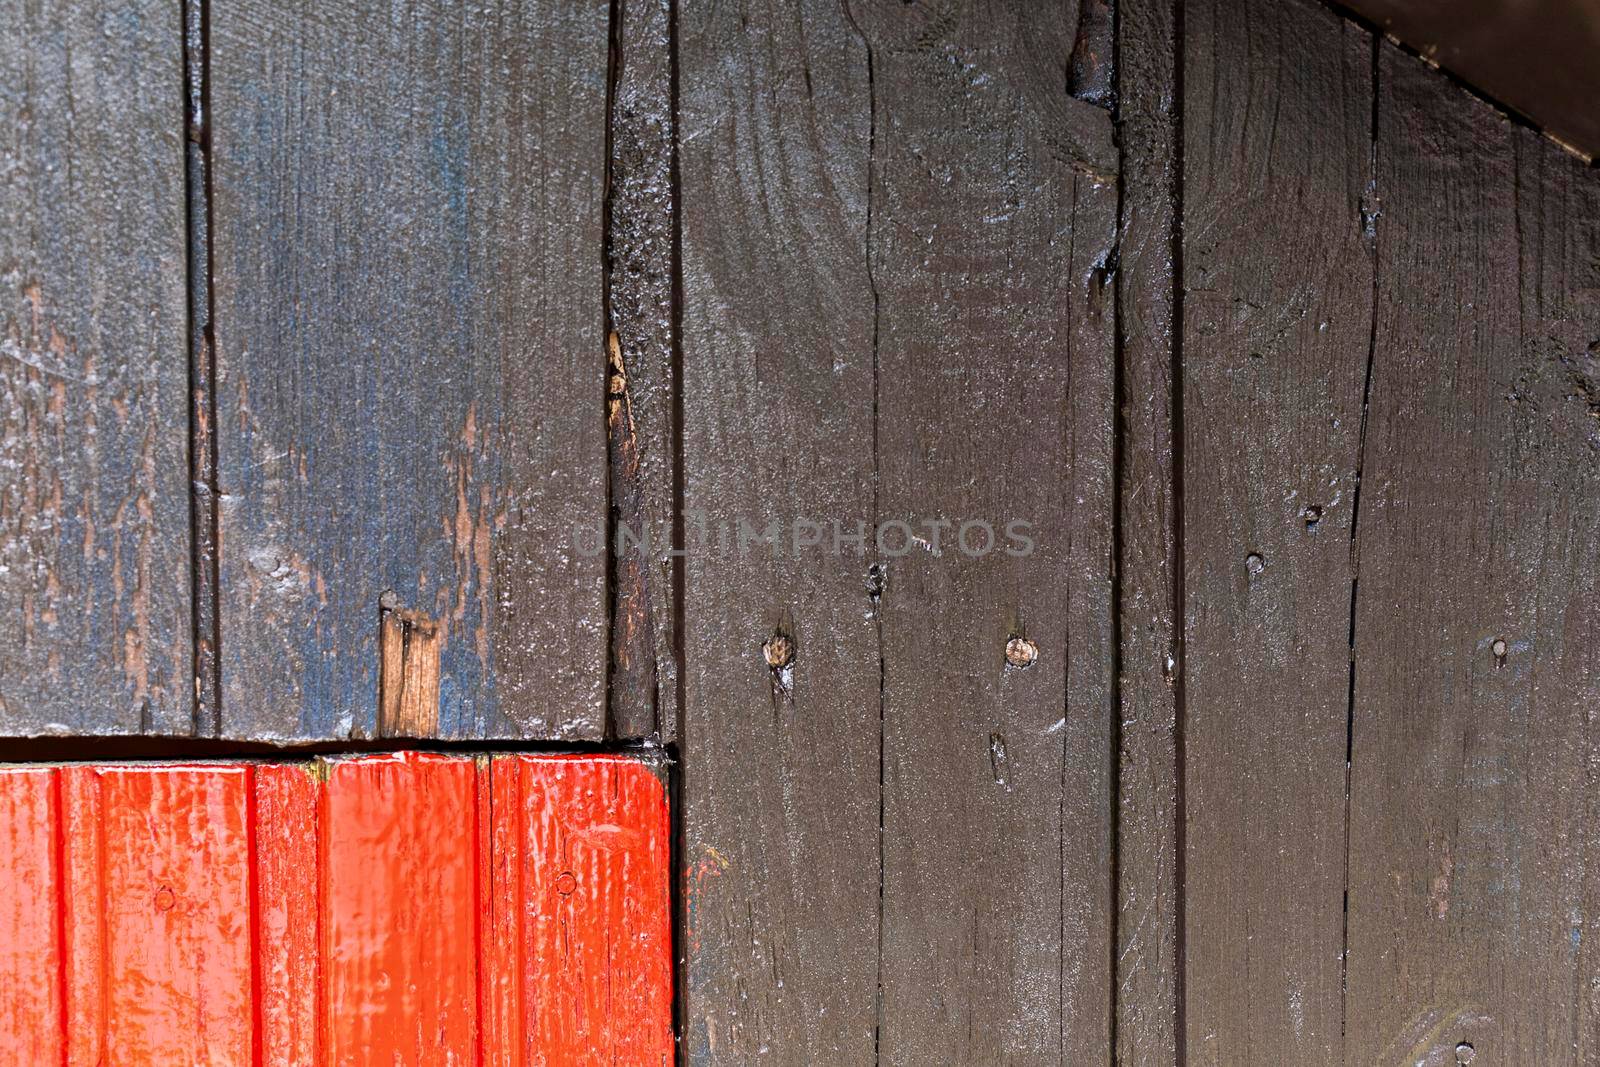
1149,908
1277,320
94,429
642,412
411,359
993,216
780,767
1473,789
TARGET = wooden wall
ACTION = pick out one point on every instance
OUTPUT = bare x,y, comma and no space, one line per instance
334,340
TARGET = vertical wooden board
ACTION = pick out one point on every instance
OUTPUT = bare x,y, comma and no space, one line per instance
161,929
993,214
643,394
94,504
1277,322
410,359
1472,781
286,838
503,917
31,1030
1149,566
780,767
597,945
399,920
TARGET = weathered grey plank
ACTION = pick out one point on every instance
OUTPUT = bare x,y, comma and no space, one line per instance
1149,569
780,766
1473,788
410,359
94,431
642,413
993,217
1277,320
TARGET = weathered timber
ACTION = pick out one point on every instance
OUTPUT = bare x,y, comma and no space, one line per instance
1149,568
642,408
992,222
780,764
1473,791
1277,322
94,433
410,360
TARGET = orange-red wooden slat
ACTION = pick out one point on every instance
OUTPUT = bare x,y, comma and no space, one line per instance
404,909
30,929
594,887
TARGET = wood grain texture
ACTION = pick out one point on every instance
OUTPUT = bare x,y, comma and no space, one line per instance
410,360
1277,320
1473,788
1149,572
31,946
643,413
407,909
157,914
590,886
993,218
94,504
780,767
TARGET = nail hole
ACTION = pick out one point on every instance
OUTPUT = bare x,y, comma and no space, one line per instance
1254,563
1312,515
1499,649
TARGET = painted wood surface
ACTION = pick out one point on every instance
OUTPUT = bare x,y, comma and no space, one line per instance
643,387
406,909
410,360
781,772
993,205
1149,566
1473,791
1277,110
94,469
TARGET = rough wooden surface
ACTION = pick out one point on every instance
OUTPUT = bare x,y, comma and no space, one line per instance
1277,111
410,360
1473,788
643,403
780,769
1149,570
992,220
94,503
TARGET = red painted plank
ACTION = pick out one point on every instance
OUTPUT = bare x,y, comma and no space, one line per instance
30,935
592,884
407,909
399,912
158,916
287,808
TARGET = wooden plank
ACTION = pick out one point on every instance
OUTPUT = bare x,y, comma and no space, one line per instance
591,886
399,908
31,1029
410,360
1472,849
642,415
94,501
1148,565
287,828
993,215
1277,321
160,926
780,773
